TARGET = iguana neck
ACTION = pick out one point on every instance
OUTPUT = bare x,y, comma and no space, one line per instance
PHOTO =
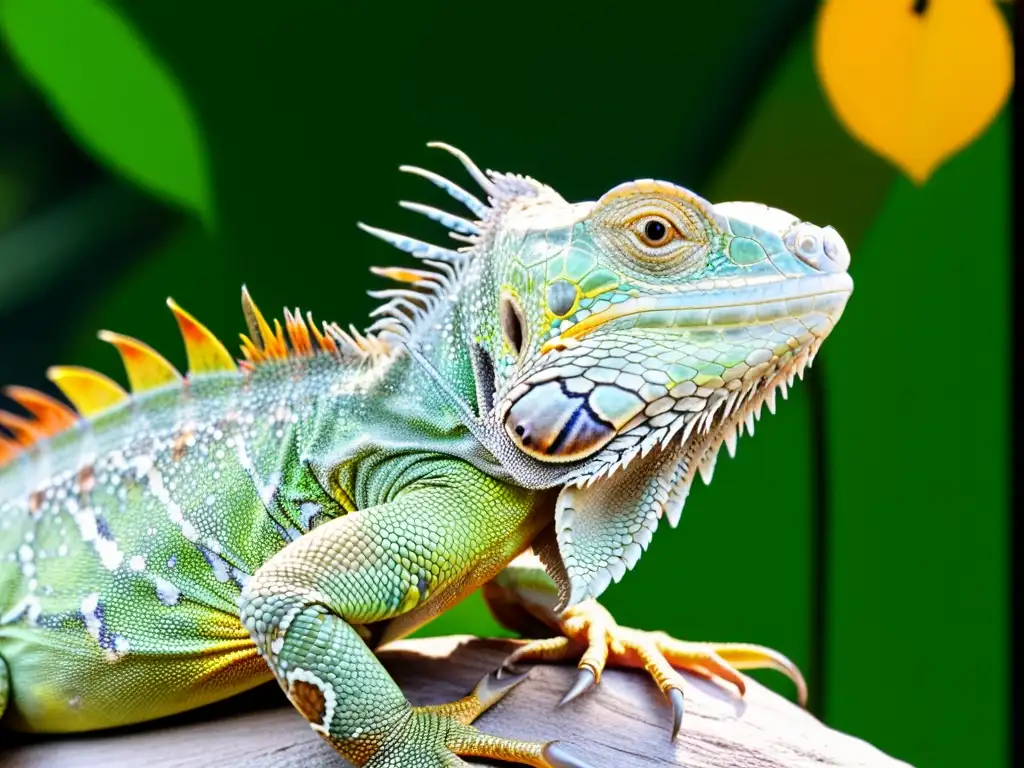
395,406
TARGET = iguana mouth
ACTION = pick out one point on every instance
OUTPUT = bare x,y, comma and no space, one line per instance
716,307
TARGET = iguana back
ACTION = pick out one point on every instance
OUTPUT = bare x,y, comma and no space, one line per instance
125,540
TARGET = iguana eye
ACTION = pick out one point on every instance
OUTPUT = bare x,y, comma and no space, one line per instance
655,234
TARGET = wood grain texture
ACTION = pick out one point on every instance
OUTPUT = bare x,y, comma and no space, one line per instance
624,722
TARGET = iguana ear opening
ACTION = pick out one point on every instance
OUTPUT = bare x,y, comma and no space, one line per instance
513,323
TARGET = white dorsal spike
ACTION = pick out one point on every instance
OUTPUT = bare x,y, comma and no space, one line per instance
397,293
392,308
629,456
478,176
447,272
445,219
411,245
674,511
647,446
597,475
478,208
673,430
355,334
690,424
730,443
757,410
784,389
730,403
468,239
707,467
389,324
769,400
749,421
713,407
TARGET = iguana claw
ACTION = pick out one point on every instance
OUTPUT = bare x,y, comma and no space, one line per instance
675,697
507,669
559,758
585,680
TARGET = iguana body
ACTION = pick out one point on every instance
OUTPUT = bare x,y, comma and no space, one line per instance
556,383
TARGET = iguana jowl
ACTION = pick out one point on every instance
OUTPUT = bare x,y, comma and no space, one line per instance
544,393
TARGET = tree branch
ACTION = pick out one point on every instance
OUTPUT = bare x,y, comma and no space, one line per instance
624,722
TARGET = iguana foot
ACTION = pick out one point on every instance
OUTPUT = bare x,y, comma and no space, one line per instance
592,636
440,734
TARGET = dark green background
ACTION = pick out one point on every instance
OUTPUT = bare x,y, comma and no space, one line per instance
862,532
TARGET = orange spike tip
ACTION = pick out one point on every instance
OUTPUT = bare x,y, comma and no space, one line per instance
51,415
403,275
8,450
25,431
271,346
264,343
205,352
146,368
89,391
298,333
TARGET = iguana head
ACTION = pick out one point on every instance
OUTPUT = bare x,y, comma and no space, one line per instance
621,342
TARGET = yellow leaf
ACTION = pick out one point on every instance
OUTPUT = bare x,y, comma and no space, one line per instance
914,80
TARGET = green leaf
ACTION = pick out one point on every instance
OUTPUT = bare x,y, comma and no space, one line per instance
116,97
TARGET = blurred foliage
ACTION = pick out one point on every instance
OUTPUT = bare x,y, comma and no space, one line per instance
853,533
115,96
917,81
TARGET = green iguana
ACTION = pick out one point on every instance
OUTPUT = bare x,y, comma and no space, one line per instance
520,416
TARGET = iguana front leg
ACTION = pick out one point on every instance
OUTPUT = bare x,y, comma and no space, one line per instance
305,608
523,594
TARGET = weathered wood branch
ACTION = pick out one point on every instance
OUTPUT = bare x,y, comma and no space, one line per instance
624,722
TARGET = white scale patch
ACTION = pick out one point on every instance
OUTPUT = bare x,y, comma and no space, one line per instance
28,608
160,492
166,592
26,556
110,555
90,606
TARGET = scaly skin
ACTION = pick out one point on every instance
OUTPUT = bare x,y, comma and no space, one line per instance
556,384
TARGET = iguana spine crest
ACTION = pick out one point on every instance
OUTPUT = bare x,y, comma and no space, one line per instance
394,322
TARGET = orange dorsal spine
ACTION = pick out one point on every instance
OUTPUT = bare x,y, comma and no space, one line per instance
8,450
92,393
89,391
51,415
24,430
204,351
146,368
